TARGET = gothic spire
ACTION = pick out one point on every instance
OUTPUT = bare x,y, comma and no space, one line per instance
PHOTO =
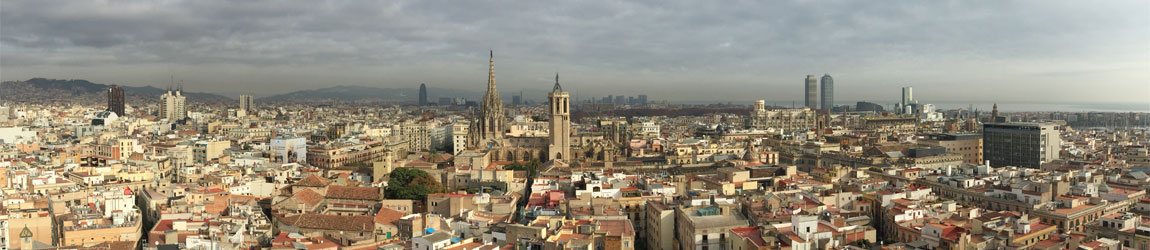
557,88
492,96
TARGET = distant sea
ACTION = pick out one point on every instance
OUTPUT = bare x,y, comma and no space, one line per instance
1050,107
1002,106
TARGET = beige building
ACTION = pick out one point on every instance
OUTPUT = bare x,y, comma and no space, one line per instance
969,146
334,155
659,232
21,212
707,226
781,119
205,151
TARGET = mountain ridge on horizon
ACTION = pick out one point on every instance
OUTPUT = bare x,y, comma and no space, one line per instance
39,86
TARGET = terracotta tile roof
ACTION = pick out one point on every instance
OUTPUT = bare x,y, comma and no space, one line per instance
312,181
354,193
352,223
616,228
750,233
308,197
387,216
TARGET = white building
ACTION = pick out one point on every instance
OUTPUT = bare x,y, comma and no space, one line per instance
456,133
288,150
173,105
17,135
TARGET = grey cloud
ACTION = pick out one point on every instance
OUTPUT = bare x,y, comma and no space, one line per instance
631,46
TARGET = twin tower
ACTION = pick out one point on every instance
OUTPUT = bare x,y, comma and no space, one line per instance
486,131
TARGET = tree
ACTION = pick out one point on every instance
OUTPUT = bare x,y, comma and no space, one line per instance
410,184
531,167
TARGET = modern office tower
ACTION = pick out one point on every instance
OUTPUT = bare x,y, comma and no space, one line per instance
560,148
422,94
811,89
642,99
247,104
517,100
173,105
487,127
827,91
116,100
907,105
620,100
1020,144
907,96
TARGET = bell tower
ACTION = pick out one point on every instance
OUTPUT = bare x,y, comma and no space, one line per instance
560,103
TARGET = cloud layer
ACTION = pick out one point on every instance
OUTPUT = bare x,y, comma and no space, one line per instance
680,50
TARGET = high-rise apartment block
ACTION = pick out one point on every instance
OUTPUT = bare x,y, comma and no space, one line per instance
1020,144
247,104
173,105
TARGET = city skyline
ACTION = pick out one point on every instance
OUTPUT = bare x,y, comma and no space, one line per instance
1049,52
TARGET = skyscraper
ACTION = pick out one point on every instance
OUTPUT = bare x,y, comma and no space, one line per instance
173,105
907,96
422,94
487,127
247,104
116,100
560,148
904,106
811,89
827,99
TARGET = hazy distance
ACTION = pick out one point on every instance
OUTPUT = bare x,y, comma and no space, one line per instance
956,51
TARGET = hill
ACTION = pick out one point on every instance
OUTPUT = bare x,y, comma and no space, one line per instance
347,93
46,90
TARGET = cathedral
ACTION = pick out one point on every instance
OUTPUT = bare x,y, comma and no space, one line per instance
488,128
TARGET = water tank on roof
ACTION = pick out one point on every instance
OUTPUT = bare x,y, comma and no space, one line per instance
429,230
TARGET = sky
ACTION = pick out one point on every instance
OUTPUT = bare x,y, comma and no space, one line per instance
679,50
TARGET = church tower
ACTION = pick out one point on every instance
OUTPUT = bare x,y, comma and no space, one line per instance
560,148
994,113
487,127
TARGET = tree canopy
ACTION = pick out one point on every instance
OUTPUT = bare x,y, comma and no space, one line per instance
410,184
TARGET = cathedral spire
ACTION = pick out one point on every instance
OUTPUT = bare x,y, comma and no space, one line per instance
557,88
491,72
492,96
488,124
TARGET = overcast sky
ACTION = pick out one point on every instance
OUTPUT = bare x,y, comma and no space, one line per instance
979,51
